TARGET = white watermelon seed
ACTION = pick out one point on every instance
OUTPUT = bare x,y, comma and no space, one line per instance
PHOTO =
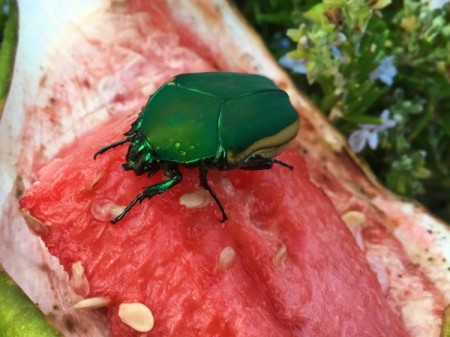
354,219
195,199
105,210
92,303
96,180
78,280
280,255
35,225
137,316
227,257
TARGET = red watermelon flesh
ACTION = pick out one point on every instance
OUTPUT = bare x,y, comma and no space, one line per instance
297,270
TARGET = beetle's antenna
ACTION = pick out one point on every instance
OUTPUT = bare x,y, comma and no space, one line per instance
279,162
110,146
205,185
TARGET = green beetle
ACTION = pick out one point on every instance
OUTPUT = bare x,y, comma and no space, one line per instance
216,120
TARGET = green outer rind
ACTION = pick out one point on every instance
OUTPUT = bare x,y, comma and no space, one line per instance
19,316
8,51
445,329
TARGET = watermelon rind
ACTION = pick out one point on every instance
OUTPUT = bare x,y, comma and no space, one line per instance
19,316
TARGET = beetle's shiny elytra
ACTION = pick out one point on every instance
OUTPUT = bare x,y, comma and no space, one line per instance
217,120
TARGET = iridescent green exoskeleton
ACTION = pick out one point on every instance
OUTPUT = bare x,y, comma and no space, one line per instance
216,120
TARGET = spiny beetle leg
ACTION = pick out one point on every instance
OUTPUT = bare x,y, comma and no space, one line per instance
175,177
282,163
265,164
204,183
110,146
259,163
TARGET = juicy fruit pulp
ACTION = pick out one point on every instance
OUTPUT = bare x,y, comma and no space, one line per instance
283,264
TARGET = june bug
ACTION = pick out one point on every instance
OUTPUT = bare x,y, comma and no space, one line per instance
216,120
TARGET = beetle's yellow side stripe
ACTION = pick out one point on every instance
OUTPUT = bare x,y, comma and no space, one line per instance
267,147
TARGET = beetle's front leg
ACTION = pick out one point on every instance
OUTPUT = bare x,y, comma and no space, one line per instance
174,175
110,146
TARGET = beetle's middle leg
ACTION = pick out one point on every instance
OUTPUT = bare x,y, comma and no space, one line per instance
174,175
204,183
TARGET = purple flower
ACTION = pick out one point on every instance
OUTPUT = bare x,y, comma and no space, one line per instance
284,43
295,65
337,54
367,134
385,72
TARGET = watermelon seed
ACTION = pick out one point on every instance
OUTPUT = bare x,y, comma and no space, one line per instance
354,219
35,225
105,210
78,280
196,199
226,257
280,255
96,180
92,303
137,316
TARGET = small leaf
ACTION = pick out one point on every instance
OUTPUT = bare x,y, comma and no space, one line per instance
445,330
317,14
380,4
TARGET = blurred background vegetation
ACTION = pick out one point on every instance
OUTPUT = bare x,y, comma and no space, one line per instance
9,22
380,71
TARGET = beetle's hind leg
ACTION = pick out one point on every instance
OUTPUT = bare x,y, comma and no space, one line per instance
282,163
175,177
204,183
264,164
110,146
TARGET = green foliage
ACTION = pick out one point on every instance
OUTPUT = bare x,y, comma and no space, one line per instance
363,58
9,23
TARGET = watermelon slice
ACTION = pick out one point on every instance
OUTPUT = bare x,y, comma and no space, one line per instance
94,59
283,265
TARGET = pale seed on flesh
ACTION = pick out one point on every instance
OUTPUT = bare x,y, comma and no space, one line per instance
105,210
195,199
78,280
137,316
227,257
354,219
35,225
280,255
92,303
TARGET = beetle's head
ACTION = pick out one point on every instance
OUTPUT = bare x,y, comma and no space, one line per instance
140,156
